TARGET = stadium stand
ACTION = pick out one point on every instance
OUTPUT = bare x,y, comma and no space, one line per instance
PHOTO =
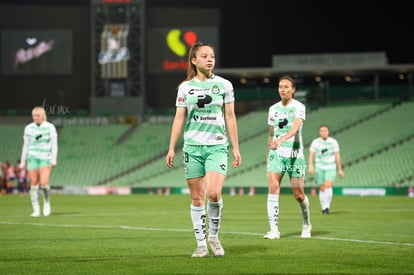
392,167
11,140
376,141
88,154
253,137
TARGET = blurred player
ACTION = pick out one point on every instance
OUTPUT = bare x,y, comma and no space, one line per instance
40,150
324,163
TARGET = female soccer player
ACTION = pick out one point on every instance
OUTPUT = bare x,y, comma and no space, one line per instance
205,109
40,152
324,163
285,155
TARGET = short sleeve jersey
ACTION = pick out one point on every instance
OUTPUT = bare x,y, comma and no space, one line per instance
325,152
204,101
282,118
40,140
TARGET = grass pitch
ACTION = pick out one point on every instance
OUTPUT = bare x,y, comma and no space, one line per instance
152,234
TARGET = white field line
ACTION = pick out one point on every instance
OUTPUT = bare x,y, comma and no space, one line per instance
189,230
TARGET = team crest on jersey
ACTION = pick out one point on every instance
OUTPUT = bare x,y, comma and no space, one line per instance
215,89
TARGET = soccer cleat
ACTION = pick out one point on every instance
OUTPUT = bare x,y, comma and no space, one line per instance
46,209
306,231
325,211
216,247
272,235
35,214
200,252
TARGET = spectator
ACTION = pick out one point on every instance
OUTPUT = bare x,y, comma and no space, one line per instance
10,177
3,189
22,182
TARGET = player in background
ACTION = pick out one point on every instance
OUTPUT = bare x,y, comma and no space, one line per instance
285,155
22,178
324,164
40,150
205,109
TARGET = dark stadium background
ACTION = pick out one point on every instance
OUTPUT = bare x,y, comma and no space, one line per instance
260,28
250,33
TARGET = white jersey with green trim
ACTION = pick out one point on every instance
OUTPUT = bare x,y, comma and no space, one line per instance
204,101
281,118
325,152
40,141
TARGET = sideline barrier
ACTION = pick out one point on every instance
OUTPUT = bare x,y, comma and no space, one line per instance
232,190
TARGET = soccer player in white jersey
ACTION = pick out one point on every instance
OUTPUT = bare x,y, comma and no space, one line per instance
39,152
325,162
285,155
205,110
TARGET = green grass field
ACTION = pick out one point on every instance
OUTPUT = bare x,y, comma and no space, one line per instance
152,234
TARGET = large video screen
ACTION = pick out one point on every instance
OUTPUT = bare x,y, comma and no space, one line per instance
168,47
36,52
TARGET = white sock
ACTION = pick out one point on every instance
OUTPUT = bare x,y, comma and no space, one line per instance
214,210
322,198
45,192
329,195
34,197
273,211
198,217
304,210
